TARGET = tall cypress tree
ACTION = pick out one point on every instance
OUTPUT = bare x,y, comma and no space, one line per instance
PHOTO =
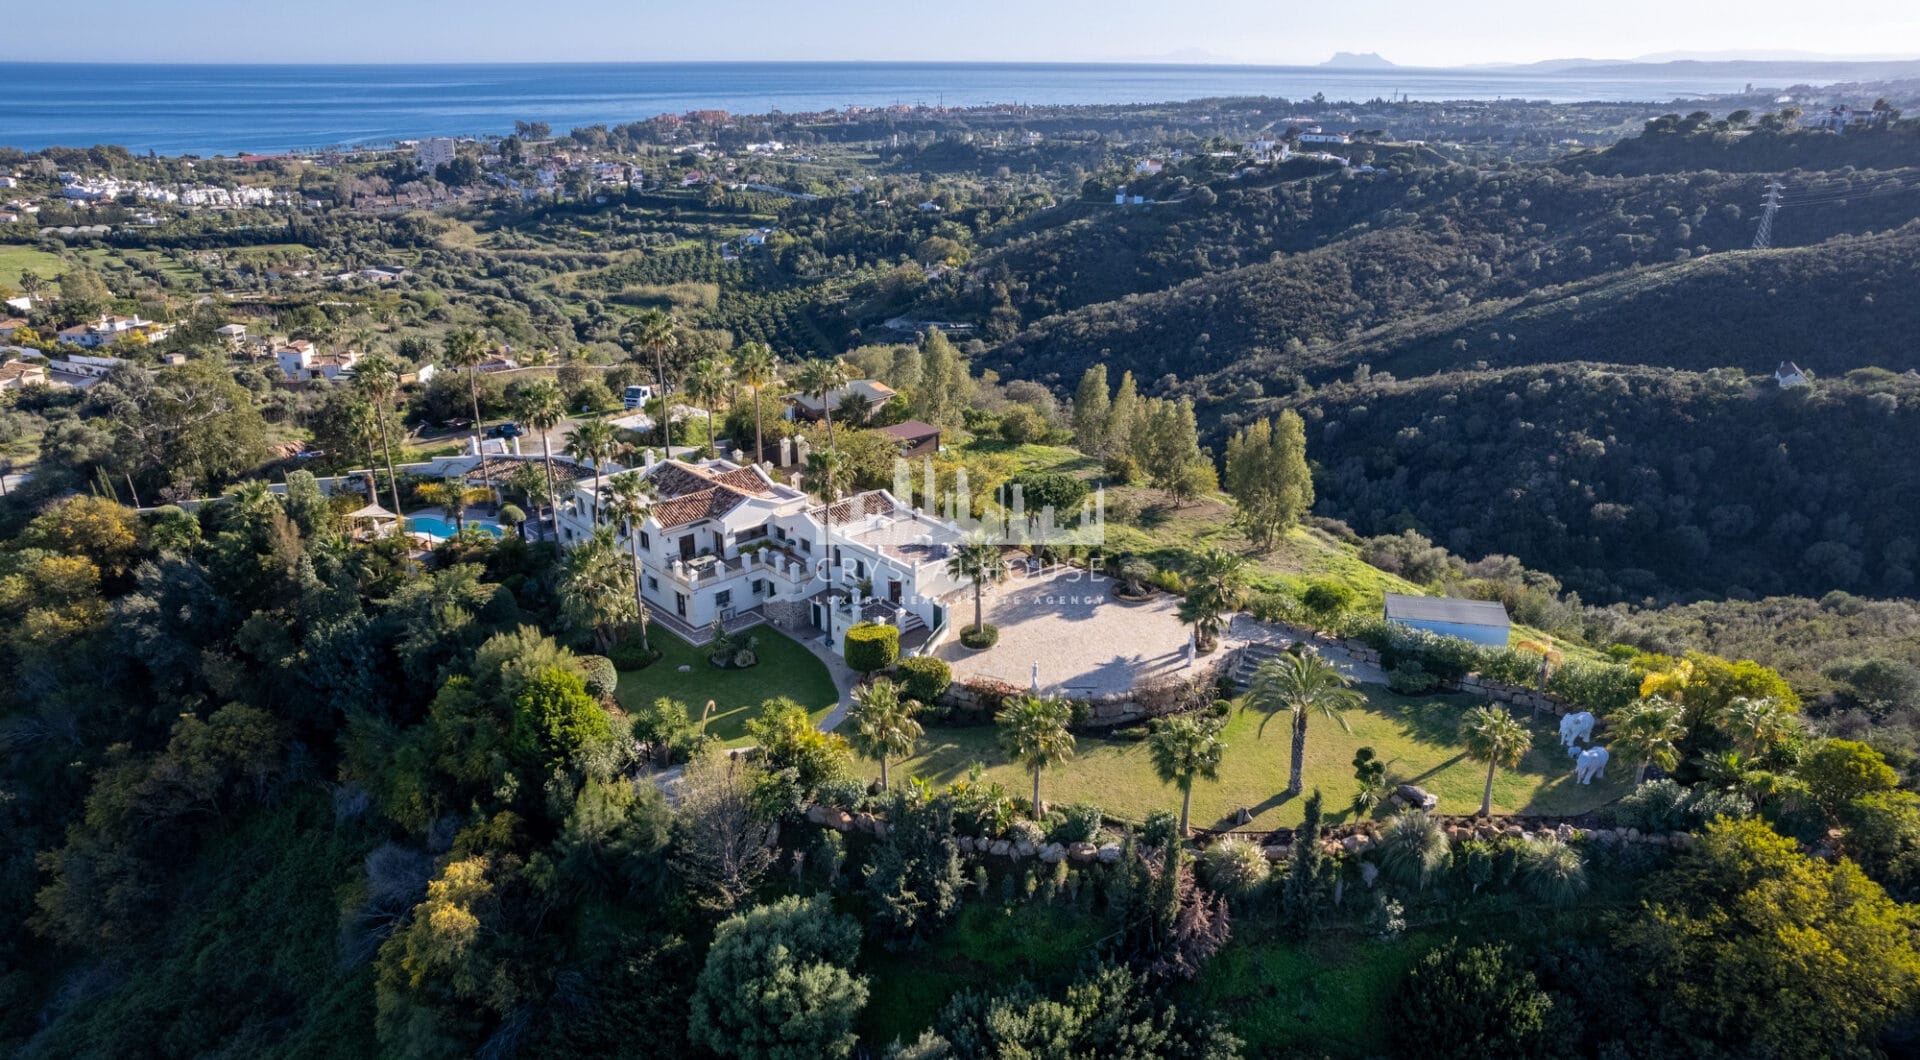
1300,898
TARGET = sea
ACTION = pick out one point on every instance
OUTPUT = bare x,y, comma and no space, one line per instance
263,109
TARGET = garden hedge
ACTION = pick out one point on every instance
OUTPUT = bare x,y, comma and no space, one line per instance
872,647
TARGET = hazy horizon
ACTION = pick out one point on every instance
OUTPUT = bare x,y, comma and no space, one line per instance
1239,32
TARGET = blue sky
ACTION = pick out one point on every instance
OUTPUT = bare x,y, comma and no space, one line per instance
1260,31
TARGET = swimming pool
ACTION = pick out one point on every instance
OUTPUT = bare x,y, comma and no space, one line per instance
440,529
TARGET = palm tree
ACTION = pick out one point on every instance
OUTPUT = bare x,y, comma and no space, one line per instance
1033,731
594,442
825,475
453,495
1648,731
532,485
977,559
1186,748
1413,847
1218,585
657,332
1552,871
883,724
1301,683
706,381
819,379
542,405
629,494
1494,737
595,594
753,367
1550,656
1758,726
466,349
377,379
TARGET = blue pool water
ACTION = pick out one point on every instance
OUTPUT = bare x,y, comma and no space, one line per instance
440,528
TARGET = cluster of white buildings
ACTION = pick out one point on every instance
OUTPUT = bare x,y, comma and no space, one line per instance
301,362
76,188
108,329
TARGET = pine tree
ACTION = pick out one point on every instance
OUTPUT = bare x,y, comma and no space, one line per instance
1092,405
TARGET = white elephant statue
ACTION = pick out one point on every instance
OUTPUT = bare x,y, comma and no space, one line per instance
1591,763
1576,728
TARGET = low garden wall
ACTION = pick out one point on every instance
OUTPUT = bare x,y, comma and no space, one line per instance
978,700
1277,845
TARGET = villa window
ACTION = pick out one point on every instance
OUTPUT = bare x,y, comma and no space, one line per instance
653,583
646,543
759,587
723,598
806,545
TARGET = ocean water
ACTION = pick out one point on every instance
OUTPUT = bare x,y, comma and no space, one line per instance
175,109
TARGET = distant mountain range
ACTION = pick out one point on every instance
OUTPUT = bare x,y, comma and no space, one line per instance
1780,66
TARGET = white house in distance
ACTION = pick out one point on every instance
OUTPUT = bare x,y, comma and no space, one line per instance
1313,135
1789,374
1480,621
108,328
725,541
301,363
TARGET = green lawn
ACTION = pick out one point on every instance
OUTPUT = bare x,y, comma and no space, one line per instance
989,946
15,259
786,669
1415,736
1324,994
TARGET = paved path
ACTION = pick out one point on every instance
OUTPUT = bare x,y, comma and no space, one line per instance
1084,641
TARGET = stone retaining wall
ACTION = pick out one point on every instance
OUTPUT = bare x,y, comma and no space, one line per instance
1276,845
1161,696
1522,697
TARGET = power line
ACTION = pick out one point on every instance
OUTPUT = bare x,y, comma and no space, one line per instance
1765,235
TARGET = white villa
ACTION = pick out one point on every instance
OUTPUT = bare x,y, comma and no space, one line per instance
726,541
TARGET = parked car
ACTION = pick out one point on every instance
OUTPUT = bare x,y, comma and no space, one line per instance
508,429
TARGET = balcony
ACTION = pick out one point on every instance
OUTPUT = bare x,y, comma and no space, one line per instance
702,571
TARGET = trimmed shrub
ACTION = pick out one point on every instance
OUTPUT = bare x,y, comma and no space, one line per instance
1274,607
843,792
601,675
629,655
1656,806
872,647
1409,678
1079,823
1324,598
1599,687
925,677
1510,666
984,637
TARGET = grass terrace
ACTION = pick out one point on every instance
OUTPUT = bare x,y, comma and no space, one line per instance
786,668
1417,738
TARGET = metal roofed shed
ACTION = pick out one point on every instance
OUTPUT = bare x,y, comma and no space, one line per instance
1480,621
